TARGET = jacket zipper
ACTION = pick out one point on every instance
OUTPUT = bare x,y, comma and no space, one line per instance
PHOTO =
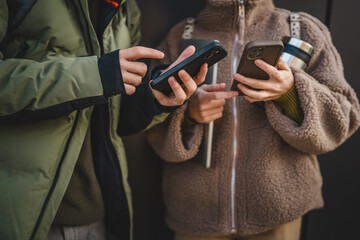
240,14
108,17
42,212
88,41
124,219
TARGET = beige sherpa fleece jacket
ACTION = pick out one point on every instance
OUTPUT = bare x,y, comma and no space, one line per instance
276,176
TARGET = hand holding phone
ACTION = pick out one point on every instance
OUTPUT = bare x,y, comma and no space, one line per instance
259,67
210,54
268,51
189,84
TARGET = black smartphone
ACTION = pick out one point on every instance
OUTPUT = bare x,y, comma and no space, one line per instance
210,54
268,50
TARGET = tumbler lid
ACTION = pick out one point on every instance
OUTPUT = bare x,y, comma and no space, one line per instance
306,47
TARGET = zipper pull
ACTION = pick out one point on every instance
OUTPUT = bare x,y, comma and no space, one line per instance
241,7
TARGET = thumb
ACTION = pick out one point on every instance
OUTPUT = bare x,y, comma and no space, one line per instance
282,65
184,55
190,50
213,87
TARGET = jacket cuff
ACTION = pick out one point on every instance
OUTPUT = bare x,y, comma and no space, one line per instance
110,73
151,105
154,73
188,121
138,110
162,108
157,70
172,142
289,103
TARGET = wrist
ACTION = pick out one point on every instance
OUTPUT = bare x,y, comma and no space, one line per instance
161,107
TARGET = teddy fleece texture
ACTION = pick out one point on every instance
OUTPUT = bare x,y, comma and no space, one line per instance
277,172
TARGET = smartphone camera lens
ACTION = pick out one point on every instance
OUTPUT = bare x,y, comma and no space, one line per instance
210,55
253,50
251,56
258,55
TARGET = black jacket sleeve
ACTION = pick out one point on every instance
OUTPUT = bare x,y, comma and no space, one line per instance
138,109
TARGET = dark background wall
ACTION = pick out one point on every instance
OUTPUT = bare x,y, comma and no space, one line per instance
339,219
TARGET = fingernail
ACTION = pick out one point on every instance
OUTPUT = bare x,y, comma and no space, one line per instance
258,62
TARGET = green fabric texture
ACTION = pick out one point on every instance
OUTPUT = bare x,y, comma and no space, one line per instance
289,102
60,66
82,203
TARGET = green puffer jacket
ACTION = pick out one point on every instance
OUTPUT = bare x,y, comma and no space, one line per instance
54,77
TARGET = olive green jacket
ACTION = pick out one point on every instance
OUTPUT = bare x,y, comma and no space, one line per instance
51,85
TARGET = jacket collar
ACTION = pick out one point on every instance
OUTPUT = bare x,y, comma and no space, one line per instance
222,14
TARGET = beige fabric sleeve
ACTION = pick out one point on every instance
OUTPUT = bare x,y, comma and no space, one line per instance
331,108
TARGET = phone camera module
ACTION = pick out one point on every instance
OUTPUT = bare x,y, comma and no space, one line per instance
251,56
210,55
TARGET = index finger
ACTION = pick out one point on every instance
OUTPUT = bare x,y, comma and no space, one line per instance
201,75
138,52
270,70
221,95
282,65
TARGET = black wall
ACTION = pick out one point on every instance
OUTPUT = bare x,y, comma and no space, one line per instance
339,219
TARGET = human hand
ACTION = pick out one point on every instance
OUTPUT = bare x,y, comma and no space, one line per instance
280,82
181,92
208,101
133,72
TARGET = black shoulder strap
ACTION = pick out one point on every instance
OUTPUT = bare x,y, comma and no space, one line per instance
17,12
